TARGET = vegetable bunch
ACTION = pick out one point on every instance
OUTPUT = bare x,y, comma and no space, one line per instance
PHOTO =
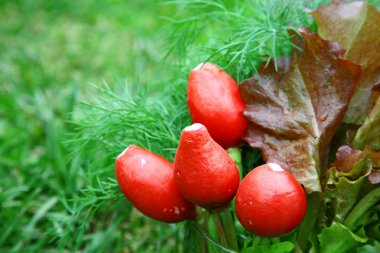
315,118
270,202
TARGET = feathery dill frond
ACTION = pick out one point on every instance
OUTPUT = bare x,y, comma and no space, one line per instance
114,121
106,126
237,35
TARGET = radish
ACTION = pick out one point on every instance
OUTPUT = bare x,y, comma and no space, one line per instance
270,201
214,100
147,181
204,173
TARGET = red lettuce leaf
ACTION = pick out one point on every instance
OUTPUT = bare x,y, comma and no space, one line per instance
346,157
344,188
295,112
346,181
356,27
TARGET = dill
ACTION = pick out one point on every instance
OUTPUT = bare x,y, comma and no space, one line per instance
105,126
114,121
237,35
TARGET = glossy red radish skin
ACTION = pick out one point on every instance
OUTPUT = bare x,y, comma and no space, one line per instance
204,172
147,181
270,201
214,100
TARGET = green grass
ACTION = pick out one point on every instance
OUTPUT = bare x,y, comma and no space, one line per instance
50,53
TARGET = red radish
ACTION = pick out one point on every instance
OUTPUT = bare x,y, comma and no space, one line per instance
204,173
147,181
214,100
270,201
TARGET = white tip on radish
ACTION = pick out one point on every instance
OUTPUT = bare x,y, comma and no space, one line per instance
199,66
275,167
122,153
193,127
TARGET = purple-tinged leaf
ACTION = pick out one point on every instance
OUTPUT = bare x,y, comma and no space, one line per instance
356,27
295,112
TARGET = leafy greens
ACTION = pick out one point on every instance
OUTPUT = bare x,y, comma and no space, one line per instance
355,26
295,112
324,96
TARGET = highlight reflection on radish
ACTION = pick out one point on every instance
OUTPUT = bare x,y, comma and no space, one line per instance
270,201
204,173
147,181
214,100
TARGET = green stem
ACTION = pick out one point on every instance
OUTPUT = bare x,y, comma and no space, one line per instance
235,154
211,240
203,246
214,235
362,207
219,226
229,228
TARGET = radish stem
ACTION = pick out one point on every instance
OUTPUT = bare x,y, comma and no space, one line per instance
219,226
204,248
229,228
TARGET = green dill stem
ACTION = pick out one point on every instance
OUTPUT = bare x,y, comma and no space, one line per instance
219,226
204,248
225,227
229,228
363,206
214,244
214,235
235,154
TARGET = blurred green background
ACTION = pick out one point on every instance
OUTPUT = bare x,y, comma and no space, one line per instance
51,54
55,54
